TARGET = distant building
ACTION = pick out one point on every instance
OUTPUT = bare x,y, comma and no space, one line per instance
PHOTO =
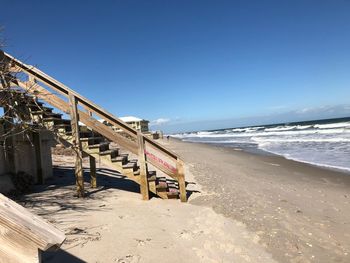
136,123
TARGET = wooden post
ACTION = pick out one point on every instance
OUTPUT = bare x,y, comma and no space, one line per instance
143,167
79,173
9,140
93,175
38,148
181,180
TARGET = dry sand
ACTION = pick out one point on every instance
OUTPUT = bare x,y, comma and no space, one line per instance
250,208
112,224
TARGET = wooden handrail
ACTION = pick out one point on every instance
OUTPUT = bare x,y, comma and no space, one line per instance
107,116
36,77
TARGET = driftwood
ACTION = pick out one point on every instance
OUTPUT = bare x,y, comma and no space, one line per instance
24,235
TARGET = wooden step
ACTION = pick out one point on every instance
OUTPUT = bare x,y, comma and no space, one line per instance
152,175
104,146
122,159
47,114
161,179
113,153
35,103
84,135
93,140
40,111
130,165
63,126
161,186
173,193
56,120
39,108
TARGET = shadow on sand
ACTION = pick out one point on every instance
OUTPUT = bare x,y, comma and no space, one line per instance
59,256
64,178
57,196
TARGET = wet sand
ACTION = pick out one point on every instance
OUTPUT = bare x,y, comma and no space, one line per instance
301,213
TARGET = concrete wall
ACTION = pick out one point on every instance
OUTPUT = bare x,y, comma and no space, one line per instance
25,159
25,156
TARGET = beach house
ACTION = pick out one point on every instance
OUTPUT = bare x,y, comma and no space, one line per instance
136,123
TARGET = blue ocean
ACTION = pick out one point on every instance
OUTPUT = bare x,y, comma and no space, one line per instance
321,142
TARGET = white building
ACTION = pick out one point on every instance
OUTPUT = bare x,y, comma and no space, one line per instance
136,123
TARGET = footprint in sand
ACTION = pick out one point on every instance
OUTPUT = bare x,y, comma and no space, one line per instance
185,234
141,242
129,259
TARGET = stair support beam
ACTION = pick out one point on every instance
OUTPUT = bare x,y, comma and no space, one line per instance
143,167
79,173
9,138
93,175
38,155
180,166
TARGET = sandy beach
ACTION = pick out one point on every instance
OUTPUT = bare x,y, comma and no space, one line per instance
300,212
243,208
175,131
113,224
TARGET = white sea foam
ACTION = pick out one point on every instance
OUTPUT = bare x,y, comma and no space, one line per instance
303,160
281,128
319,144
286,140
333,125
262,133
302,127
205,133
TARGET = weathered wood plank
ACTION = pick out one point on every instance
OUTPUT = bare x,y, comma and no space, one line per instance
143,167
181,180
23,233
79,173
93,175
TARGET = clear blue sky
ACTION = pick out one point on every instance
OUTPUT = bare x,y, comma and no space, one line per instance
192,64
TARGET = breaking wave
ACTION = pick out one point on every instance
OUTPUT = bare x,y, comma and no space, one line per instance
325,143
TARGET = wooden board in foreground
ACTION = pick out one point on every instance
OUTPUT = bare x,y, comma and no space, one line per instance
23,235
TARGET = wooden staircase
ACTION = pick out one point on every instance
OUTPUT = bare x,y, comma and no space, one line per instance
90,137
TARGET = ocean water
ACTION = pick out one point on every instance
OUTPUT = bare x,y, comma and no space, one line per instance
321,142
